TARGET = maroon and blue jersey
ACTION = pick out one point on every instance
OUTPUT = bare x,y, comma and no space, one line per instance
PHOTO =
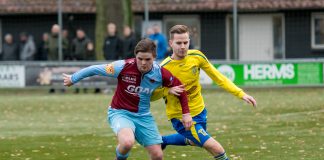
134,89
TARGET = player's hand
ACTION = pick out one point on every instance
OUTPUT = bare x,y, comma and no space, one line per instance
249,99
67,80
177,90
187,121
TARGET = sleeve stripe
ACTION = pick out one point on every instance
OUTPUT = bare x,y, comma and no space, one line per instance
196,54
166,63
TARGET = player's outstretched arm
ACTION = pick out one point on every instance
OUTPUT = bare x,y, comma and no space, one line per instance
249,99
109,70
67,80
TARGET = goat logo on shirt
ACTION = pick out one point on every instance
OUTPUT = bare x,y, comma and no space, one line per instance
138,89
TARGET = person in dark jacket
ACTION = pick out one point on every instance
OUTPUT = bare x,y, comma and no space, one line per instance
79,45
53,54
112,47
129,43
53,43
9,50
42,50
66,45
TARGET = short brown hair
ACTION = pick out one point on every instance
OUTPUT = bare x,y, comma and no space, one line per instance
178,29
145,45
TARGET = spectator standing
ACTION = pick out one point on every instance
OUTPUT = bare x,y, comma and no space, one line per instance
27,48
9,49
53,48
112,47
160,41
66,48
53,43
129,43
42,50
79,45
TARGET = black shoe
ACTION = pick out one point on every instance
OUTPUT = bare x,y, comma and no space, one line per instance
97,90
52,90
163,146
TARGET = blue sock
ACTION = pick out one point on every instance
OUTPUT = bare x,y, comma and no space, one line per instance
173,139
121,156
222,156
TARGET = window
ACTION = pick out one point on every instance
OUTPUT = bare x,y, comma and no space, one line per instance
317,31
278,37
192,21
274,29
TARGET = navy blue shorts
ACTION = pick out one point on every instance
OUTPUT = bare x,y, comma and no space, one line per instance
198,132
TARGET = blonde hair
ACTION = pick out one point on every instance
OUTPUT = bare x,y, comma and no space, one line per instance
178,29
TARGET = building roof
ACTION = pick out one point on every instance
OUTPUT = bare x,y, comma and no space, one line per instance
46,6
89,6
226,5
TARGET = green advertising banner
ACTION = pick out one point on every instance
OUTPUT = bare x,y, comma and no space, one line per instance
277,74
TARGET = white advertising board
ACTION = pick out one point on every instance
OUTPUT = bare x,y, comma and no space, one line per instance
12,76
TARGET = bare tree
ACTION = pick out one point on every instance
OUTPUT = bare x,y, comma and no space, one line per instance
128,14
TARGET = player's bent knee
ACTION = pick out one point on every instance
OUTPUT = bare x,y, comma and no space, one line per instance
213,146
158,155
155,152
127,143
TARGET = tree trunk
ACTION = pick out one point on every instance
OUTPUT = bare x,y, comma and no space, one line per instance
100,31
128,14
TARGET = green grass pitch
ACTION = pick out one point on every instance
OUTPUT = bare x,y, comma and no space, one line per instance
288,124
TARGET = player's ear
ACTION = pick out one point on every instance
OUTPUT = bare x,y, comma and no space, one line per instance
170,43
153,56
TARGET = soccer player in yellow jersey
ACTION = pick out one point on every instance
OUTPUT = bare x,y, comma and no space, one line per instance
186,65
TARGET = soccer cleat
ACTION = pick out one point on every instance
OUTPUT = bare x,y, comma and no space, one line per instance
163,146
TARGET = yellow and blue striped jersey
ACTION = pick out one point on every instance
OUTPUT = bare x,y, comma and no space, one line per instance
187,70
